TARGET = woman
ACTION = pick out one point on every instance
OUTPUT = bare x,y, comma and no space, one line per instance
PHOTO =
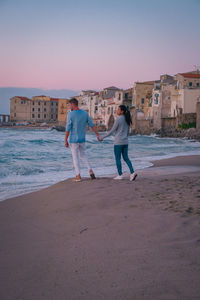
121,131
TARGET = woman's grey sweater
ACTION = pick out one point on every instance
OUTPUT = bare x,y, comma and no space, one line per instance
121,131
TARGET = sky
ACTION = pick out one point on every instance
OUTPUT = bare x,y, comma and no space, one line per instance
93,44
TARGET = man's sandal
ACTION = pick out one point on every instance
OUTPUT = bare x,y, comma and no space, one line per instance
92,176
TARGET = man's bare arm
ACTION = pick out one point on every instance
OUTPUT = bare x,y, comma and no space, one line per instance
66,139
94,129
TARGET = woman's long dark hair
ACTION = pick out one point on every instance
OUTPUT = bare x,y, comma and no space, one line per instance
127,114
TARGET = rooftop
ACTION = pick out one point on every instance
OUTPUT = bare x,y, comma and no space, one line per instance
190,75
112,88
20,97
146,82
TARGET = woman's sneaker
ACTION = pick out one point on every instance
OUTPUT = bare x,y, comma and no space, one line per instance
133,176
119,177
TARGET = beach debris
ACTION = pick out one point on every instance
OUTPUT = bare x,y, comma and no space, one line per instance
85,229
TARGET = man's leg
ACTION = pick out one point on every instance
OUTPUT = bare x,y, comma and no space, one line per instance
118,151
75,156
84,157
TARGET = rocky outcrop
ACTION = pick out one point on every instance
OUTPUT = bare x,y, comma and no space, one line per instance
191,133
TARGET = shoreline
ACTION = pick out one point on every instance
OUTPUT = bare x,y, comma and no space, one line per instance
161,162
156,163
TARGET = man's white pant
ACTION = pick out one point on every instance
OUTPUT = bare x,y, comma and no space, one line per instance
78,151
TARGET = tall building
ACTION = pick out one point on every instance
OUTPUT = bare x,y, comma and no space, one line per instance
39,109
142,97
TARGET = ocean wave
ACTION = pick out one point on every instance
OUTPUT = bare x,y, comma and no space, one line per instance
41,142
34,159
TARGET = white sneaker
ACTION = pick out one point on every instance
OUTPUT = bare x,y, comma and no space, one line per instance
118,177
133,176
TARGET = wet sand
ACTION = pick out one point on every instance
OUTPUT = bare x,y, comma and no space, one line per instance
106,239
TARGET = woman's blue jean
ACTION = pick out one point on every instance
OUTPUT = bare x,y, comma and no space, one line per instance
122,150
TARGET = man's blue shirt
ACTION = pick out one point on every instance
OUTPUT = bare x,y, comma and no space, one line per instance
77,120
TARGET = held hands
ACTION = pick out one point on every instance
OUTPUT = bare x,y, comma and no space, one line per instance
99,138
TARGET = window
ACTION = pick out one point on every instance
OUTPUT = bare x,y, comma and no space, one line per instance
45,109
33,109
44,103
38,103
38,109
22,102
197,83
51,116
56,103
190,83
142,100
45,116
14,114
33,116
56,116
51,103
119,98
156,101
33,103
169,98
38,116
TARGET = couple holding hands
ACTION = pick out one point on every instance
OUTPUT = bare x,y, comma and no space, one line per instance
78,119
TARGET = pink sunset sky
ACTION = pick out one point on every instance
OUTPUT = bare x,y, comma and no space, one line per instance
94,44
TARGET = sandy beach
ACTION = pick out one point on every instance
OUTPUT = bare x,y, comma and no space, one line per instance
106,239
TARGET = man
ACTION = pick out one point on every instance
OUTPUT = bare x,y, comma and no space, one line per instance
77,120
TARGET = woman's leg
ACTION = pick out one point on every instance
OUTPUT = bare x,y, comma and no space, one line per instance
126,158
118,152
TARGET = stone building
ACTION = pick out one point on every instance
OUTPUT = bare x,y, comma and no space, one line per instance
188,80
20,109
120,97
142,97
39,109
198,114
63,108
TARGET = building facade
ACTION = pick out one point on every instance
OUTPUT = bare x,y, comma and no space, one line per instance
38,109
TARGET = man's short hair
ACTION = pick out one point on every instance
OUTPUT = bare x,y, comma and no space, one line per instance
74,101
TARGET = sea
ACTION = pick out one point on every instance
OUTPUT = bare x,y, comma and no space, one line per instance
33,159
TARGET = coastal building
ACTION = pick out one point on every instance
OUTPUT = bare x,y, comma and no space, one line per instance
188,80
186,93
120,97
39,109
86,97
198,114
54,109
142,97
175,99
20,109
161,99
63,108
